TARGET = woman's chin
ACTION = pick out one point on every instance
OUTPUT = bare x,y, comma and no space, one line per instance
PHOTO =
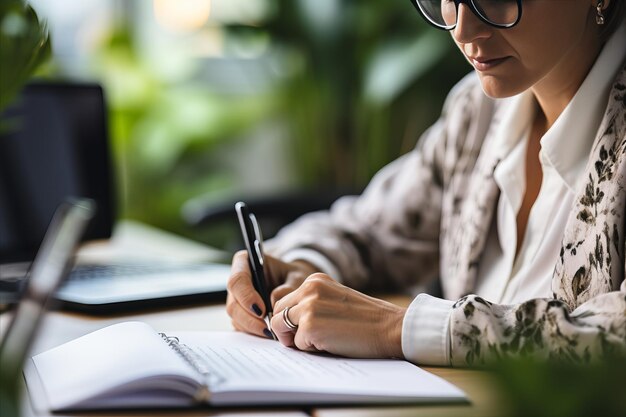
496,87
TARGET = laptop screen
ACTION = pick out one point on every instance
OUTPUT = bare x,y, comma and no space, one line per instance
56,146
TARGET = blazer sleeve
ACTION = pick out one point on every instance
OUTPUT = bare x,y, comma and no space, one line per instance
382,237
544,328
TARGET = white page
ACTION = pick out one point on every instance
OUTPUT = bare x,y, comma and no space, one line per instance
244,363
100,361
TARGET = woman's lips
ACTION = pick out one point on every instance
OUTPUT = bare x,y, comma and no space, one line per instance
484,64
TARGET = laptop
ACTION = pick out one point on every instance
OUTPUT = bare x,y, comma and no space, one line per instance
57,147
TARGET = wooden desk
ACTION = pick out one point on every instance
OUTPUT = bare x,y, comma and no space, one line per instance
59,327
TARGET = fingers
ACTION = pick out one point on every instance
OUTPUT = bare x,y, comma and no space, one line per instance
313,286
243,304
331,317
285,334
241,288
303,337
280,292
301,304
247,310
242,320
293,280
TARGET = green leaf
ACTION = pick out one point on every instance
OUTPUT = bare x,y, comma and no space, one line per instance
397,64
24,46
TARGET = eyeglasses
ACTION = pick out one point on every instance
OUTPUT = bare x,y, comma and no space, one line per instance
444,14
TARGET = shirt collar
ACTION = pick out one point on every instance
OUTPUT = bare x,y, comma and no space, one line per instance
513,123
568,142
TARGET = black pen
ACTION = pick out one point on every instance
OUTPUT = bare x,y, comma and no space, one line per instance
254,246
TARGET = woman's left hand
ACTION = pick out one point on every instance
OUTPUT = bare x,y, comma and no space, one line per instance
336,319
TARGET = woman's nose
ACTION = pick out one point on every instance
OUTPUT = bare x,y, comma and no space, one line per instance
468,26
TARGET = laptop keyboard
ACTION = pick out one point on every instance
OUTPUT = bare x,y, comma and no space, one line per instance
89,272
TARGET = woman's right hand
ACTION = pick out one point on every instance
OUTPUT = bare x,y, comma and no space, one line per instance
245,306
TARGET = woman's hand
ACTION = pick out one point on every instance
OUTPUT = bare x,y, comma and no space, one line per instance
337,319
245,306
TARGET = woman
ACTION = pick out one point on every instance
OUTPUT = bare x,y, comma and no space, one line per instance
515,198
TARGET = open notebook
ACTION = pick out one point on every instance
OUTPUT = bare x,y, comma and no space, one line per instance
129,365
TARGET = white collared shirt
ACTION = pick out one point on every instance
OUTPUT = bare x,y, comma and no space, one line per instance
504,278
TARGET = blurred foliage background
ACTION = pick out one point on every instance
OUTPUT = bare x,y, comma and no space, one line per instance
215,99
560,388
24,46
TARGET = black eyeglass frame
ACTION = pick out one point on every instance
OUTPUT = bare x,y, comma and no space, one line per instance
472,6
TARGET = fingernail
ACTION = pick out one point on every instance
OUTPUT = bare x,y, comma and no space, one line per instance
256,310
267,333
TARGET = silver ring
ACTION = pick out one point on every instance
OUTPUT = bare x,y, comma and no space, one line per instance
288,322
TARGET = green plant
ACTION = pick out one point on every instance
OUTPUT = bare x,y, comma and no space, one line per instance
24,45
562,388
355,85
164,133
364,80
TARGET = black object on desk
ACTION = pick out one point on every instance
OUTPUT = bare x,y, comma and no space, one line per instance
58,146
54,145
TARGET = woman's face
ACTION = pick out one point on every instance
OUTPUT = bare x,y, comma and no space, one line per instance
551,48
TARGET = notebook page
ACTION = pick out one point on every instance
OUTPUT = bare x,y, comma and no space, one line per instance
244,363
100,361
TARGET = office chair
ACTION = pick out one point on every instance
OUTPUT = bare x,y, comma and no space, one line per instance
272,211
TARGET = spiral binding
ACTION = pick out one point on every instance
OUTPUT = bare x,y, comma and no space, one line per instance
194,360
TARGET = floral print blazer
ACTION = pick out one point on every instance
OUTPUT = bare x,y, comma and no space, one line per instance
427,215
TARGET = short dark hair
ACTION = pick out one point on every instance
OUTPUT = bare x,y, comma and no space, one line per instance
615,14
